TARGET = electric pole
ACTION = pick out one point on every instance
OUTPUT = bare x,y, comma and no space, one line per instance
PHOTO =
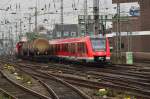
118,34
16,31
96,17
36,17
29,22
86,17
62,19
20,29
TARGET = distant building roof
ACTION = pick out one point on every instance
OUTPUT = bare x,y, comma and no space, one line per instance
66,27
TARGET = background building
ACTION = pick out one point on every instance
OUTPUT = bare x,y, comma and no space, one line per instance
69,30
139,23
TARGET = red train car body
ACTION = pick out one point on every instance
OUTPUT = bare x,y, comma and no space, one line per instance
83,48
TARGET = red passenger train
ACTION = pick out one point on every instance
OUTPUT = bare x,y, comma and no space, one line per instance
87,49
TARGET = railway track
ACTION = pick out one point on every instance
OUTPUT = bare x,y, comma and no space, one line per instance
58,88
5,94
137,83
18,91
130,80
96,72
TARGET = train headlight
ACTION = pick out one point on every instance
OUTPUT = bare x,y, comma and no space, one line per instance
107,58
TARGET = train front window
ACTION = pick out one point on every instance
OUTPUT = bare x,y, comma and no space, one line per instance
98,44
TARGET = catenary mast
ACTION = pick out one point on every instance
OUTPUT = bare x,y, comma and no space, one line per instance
96,17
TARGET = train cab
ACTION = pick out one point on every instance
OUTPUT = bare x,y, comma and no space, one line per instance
100,48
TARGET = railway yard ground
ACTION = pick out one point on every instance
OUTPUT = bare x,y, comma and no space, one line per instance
22,79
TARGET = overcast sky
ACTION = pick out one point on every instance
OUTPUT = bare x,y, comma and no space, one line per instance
21,7
52,6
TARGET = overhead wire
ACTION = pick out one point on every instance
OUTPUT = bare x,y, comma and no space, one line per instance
75,4
54,5
3,16
5,4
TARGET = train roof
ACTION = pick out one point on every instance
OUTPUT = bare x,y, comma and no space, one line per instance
75,39
67,40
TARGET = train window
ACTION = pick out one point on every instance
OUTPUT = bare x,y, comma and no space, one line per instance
62,47
65,47
98,43
57,48
52,46
78,47
122,45
69,48
73,48
84,48
53,49
81,48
